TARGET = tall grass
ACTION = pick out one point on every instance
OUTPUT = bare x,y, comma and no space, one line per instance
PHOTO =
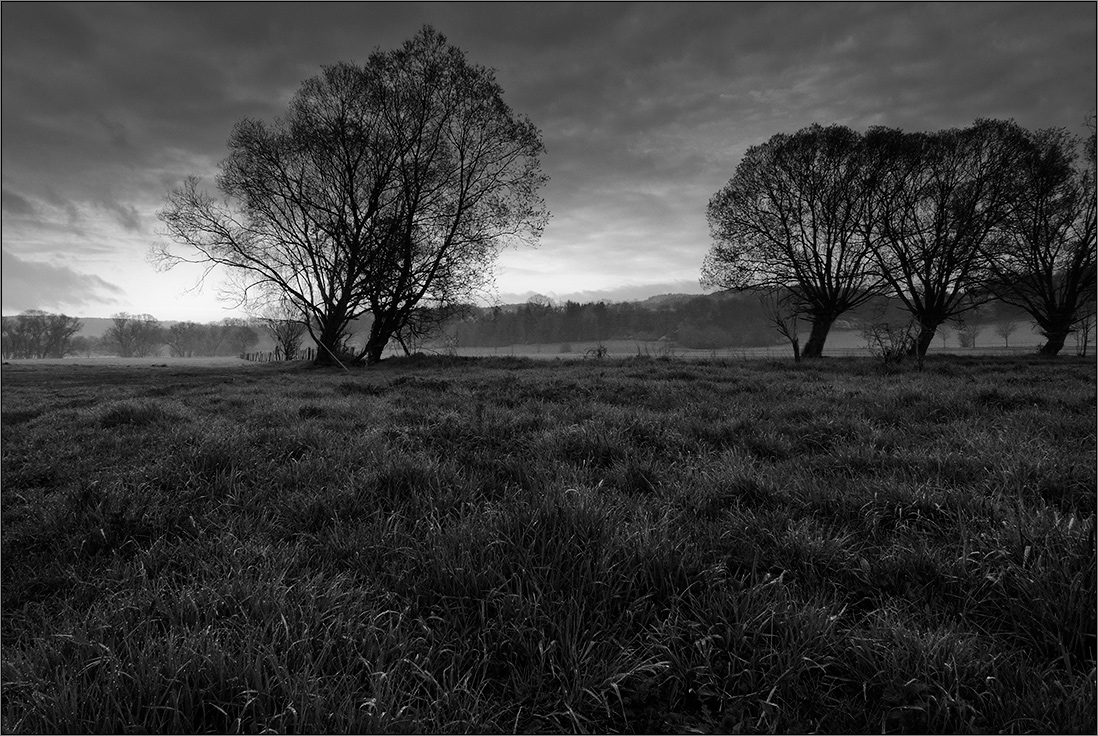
496,545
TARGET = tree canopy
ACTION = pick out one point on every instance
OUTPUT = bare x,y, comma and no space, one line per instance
795,217
1044,261
942,200
939,221
388,189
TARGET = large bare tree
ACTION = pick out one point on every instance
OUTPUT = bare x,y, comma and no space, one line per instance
940,200
1044,261
797,217
387,188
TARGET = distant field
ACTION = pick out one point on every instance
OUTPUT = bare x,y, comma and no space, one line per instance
647,544
103,361
840,343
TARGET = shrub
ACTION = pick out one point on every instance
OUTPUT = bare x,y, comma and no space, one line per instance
890,343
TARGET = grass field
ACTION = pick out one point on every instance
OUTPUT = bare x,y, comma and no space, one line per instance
500,545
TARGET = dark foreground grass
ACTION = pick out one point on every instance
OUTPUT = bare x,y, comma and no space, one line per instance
499,545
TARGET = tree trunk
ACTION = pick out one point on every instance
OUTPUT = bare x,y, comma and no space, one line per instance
814,347
380,334
373,352
927,330
403,346
1055,342
328,344
926,336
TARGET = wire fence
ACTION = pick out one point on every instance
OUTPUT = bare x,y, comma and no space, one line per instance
271,356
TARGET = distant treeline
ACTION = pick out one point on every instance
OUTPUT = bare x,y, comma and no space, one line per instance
705,322
713,321
38,334
700,322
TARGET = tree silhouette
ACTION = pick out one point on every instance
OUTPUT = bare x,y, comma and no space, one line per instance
798,217
1045,259
940,201
388,189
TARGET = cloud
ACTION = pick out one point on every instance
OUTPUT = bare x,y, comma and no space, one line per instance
125,215
645,108
37,285
17,204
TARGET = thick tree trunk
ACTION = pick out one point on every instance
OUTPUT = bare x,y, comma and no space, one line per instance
373,352
327,346
926,336
814,347
1054,342
380,334
1055,327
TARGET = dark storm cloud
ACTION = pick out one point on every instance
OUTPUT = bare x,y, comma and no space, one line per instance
36,285
645,108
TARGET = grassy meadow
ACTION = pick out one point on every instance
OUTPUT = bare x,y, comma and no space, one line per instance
507,545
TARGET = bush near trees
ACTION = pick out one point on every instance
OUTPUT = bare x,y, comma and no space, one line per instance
942,222
386,190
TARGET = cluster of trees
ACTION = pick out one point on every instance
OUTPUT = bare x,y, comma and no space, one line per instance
133,336
230,336
38,334
386,190
717,321
723,320
823,221
142,335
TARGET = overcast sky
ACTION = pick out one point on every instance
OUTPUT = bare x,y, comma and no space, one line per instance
645,111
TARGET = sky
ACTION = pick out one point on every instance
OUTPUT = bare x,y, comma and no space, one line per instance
645,110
